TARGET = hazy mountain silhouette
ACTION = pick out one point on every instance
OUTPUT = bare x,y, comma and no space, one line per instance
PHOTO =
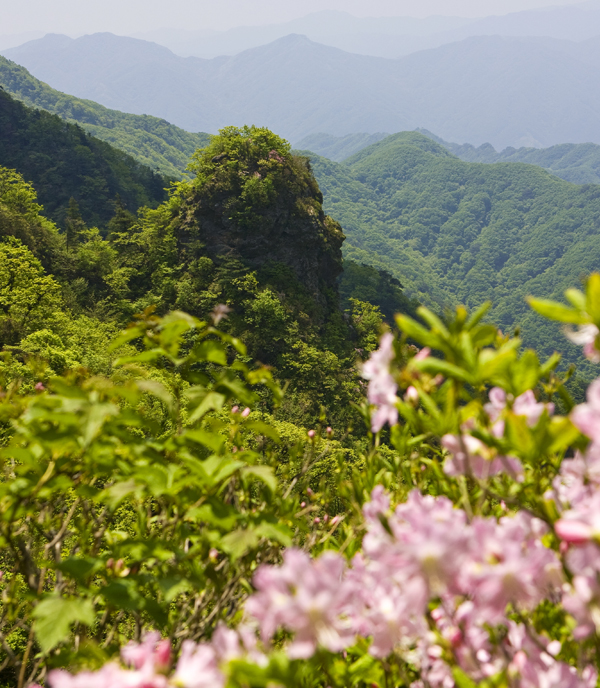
391,37
506,91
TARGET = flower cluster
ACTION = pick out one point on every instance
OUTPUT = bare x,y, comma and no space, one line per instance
424,552
382,386
148,664
577,495
470,456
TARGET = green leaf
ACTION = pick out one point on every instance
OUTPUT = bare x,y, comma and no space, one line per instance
263,473
275,531
593,297
556,311
208,439
435,365
211,351
263,429
478,315
462,680
412,329
213,401
80,568
54,617
158,390
237,543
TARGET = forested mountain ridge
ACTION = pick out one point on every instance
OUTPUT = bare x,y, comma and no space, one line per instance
578,163
458,232
248,231
64,162
152,141
486,88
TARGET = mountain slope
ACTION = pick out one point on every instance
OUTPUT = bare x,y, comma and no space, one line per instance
63,162
152,141
509,92
453,231
578,163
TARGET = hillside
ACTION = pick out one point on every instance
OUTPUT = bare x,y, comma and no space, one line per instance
506,91
63,162
152,141
454,231
578,163
574,162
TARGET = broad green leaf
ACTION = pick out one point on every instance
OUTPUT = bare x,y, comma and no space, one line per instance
213,401
462,680
593,297
263,473
263,429
158,390
556,311
80,568
436,366
275,531
54,617
477,315
238,542
412,329
208,439
211,351
576,298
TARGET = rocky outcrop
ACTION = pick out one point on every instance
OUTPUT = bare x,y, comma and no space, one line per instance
262,207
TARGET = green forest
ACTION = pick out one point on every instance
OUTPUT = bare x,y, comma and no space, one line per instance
458,232
152,141
283,421
64,163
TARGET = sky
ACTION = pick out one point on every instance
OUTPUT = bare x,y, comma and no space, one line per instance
76,17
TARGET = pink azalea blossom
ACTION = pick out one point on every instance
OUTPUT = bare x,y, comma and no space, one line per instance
470,456
382,386
197,667
587,416
308,597
586,336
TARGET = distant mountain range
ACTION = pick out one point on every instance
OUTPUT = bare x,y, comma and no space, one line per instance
152,141
574,162
390,37
533,92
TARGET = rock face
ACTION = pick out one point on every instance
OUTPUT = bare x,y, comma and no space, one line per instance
256,202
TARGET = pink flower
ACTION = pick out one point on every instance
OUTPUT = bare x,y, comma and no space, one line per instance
219,312
524,405
573,532
411,394
245,412
470,456
197,667
586,335
152,653
586,417
308,597
382,386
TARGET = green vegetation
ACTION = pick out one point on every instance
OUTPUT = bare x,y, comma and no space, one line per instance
150,140
574,162
247,232
64,163
150,472
457,232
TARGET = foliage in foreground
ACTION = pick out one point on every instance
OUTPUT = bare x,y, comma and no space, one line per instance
464,553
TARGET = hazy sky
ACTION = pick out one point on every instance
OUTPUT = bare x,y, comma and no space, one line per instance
129,16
